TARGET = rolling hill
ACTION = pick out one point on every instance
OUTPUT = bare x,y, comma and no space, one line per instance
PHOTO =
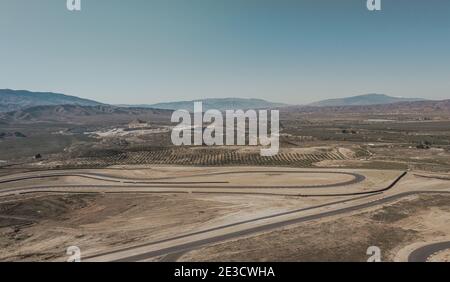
12,100
363,100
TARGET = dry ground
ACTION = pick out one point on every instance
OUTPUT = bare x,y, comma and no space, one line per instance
39,227
346,238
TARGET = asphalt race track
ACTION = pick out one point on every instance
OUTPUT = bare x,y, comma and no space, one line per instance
422,254
130,185
197,244
103,177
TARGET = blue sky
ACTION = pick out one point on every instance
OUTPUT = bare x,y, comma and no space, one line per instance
147,51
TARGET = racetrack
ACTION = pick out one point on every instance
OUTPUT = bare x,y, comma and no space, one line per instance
356,178
170,248
423,253
181,248
180,184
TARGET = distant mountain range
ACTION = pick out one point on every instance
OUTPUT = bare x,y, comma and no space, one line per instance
12,100
364,100
413,108
100,114
30,107
112,115
214,103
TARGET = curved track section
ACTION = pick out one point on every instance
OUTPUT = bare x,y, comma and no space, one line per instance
422,254
140,188
156,185
178,184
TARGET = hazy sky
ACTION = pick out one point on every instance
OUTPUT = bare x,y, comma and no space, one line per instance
147,51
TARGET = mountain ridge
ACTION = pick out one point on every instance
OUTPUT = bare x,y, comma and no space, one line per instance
12,100
213,103
363,100
108,114
105,114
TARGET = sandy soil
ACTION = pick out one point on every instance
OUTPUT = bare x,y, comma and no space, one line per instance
41,226
95,222
443,256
